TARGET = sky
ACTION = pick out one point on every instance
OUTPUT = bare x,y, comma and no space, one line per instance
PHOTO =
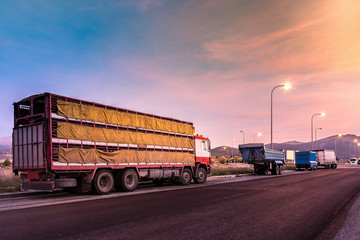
213,63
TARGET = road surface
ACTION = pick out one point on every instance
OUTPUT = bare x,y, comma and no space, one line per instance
301,206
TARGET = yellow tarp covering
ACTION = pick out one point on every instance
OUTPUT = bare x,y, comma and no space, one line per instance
97,114
85,133
78,155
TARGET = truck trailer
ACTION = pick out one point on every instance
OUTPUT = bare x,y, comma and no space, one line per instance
67,143
305,159
326,158
264,160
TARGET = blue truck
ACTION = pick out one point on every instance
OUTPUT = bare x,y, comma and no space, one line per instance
264,160
305,159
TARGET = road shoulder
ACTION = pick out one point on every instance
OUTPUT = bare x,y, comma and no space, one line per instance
351,227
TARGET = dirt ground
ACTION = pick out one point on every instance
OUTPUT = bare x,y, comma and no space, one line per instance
231,165
6,172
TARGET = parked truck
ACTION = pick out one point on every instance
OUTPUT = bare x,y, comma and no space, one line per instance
326,158
62,142
305,159
264,160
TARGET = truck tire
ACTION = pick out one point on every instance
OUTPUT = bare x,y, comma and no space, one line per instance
202,175
103,182
186,177
127,180
281,167
277,169
274,170
256,169
264,170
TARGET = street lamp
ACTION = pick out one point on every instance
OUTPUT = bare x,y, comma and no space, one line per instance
316,137
243,136
286,86
312,126
258,134
226,151
355,141
339,135
232,148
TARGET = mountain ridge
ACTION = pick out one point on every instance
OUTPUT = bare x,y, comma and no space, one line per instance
345,145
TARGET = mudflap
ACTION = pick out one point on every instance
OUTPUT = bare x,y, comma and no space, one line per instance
43,186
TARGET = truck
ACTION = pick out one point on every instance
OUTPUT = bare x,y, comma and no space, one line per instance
65,143
326,158
305,159
264,160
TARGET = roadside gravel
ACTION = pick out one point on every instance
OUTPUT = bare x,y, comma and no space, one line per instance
351,228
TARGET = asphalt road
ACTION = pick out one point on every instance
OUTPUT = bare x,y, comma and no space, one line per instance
302,206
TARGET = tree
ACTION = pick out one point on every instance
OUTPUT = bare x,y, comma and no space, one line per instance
6,163
222,160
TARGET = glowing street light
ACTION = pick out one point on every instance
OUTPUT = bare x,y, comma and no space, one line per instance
258,134
286,86
355,141
338,136
225,149
322,114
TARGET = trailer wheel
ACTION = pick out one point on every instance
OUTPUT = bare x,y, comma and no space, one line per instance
274,170
186,177
127,180
103,182
281,167
277,170
202,175
266,170
256,169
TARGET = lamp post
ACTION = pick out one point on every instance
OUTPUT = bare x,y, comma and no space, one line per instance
232,148
243,136
258,134
339,135
355,143
287,86
225,150
350,149
316,137
312,126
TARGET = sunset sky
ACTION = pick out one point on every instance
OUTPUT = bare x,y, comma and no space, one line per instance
210,62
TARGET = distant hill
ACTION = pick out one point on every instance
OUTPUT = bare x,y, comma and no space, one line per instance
224,151
5,142
345,146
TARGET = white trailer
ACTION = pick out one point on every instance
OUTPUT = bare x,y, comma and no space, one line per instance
326,158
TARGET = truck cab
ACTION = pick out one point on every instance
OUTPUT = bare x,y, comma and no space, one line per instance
202,154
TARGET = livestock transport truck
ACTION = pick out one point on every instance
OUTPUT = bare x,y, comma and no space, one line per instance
62,142
264,160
